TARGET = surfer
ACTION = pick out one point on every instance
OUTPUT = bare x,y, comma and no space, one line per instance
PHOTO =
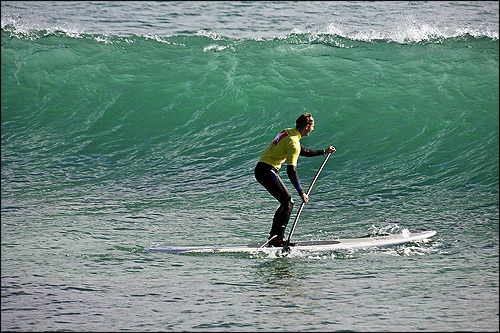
285,147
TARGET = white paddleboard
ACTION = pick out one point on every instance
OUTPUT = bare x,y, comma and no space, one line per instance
326,245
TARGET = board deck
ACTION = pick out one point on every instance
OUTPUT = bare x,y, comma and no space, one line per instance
325,245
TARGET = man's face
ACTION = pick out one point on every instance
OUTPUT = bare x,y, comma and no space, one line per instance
309,128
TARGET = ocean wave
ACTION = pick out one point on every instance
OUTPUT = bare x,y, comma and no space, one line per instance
334,34
408,120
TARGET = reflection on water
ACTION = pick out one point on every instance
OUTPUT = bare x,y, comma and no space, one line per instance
282,277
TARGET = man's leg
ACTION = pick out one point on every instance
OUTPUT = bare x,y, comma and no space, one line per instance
268,177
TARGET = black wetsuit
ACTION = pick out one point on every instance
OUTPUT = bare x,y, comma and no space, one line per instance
268,177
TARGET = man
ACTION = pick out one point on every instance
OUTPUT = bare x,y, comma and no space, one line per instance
285,147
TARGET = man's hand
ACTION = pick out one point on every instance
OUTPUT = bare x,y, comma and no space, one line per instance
305,198
330,149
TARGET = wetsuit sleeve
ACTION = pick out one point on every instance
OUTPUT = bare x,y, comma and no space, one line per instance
291,170
310,152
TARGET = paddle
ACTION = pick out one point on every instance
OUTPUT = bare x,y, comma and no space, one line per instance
286,247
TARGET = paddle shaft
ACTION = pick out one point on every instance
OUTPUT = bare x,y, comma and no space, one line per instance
303,203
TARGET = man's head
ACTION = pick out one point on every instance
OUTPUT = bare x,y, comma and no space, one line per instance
305,124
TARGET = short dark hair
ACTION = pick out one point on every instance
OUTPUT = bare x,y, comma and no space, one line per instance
303,120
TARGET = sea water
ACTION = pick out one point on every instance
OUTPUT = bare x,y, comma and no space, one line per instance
131,124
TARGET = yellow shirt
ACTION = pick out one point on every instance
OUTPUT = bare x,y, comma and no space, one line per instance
286,146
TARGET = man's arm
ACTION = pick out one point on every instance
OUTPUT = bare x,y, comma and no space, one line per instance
311,152
291,170
306,152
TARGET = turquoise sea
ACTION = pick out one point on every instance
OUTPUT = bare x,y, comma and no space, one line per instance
131,124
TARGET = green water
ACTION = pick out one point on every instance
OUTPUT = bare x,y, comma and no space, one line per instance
113,144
